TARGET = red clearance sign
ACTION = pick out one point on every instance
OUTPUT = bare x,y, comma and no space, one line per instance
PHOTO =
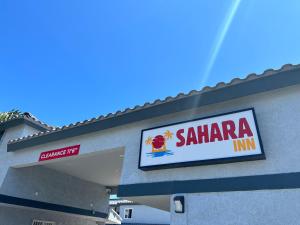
60,153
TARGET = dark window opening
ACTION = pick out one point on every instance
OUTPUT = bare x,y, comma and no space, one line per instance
128,213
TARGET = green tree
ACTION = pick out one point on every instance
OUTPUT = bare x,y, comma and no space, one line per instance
10,114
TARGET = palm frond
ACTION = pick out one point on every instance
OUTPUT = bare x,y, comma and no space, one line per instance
10,114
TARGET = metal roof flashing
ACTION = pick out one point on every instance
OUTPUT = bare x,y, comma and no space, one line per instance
286,76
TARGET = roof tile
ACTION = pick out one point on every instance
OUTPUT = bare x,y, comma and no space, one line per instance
156,102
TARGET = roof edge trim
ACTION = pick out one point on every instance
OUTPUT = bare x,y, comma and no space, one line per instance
262,83
22,120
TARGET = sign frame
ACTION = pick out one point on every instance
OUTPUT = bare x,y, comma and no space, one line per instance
225,160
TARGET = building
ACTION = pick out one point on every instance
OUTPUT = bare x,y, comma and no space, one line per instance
227,154
131,213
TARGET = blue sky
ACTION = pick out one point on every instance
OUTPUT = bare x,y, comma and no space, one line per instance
66,61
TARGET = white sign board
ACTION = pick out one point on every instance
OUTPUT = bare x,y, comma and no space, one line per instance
222,138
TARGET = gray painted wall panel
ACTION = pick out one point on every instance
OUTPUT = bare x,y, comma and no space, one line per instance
54,187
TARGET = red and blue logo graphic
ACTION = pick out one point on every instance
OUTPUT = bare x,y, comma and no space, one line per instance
159,144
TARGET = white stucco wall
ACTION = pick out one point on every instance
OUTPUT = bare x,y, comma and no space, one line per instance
277,119
13,133
6,159
276,207
279,123
45,185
